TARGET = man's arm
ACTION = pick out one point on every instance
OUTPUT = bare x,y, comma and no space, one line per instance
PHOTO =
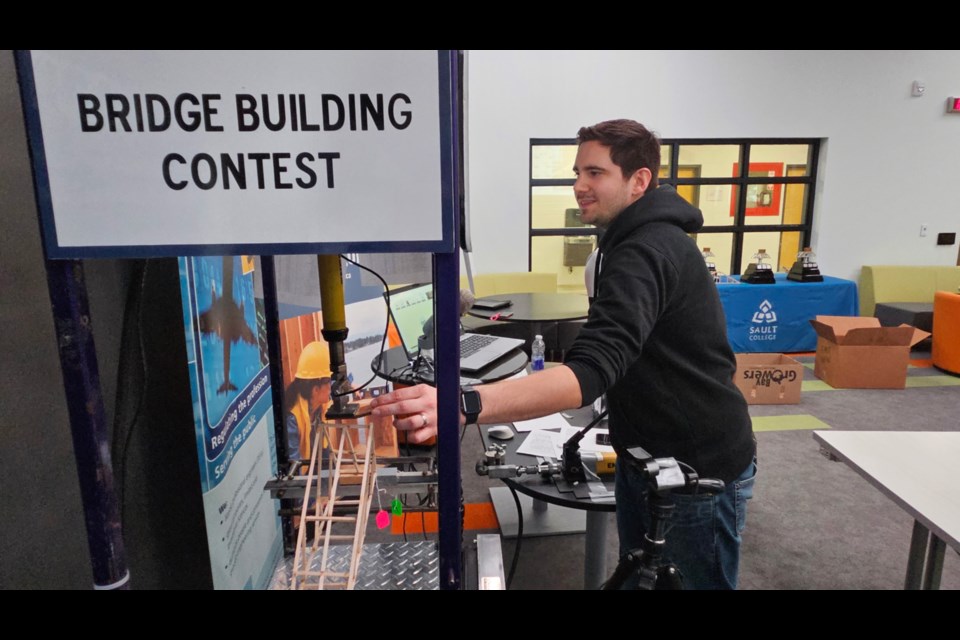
545,392
540,394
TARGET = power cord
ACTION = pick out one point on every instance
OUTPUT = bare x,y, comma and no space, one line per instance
516,499
386,329
516,549
132,322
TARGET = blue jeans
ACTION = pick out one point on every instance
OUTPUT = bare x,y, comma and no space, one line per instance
702,537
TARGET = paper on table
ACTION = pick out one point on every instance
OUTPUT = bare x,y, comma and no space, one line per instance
589,442
555,421
600,493
546,444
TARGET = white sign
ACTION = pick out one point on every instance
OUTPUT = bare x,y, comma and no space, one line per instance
166,153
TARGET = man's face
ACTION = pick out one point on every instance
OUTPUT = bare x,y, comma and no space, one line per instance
601,189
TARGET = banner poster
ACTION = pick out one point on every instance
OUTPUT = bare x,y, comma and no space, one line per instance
225,330
300,325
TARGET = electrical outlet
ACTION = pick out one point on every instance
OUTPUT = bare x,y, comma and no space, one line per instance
923,231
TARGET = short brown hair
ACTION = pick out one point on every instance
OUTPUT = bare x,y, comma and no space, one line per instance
632,146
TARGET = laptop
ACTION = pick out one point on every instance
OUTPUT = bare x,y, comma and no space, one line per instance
412,306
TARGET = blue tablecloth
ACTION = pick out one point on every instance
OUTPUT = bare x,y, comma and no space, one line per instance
775,317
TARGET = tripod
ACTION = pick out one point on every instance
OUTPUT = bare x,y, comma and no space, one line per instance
663,476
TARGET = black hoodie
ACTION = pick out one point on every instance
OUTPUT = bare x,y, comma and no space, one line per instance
656,342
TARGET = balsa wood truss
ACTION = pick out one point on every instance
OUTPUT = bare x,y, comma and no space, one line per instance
346,462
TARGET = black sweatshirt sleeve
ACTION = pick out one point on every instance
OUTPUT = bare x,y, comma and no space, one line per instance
635,282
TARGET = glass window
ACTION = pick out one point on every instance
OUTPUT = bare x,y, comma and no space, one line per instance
563,255
552,162
768,241
549,207
715,202
786,204
720,245
776,213
797,155
714,160
665,150
790,245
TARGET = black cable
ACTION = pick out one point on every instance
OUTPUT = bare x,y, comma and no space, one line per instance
134,309
422,369
688,467
423,524
696,489
386,329
516,549
595,421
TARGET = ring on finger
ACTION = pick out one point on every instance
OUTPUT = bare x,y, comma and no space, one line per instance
425,420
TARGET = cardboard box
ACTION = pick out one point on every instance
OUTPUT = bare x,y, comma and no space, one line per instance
857,353
768,378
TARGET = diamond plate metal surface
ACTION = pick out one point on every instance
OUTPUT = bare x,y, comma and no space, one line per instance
389,566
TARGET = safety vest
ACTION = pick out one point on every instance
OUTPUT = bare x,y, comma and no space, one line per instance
301,411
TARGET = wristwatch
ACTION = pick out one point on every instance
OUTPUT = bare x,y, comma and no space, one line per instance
470,404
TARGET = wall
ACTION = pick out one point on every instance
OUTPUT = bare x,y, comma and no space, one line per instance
42,536
43,541
889,163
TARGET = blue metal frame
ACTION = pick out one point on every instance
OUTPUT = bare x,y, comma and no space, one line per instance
78,354
446,275
271,309
88,425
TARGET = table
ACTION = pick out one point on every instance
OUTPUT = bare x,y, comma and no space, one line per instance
916,470
395,368
539,519
774,318
537,308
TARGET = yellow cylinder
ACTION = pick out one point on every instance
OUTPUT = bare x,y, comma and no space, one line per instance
331,293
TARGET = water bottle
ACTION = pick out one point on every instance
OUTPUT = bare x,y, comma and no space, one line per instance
537,352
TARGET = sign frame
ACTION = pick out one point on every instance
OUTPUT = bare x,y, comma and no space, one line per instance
54,250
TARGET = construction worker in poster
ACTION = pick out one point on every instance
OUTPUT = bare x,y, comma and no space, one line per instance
305,398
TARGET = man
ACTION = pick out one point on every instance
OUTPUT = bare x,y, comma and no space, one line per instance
655,342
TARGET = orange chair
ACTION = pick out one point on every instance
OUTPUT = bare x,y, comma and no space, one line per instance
946,331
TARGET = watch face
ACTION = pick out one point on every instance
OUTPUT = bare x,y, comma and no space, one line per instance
470,402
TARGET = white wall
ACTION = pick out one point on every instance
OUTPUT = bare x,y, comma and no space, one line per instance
889,164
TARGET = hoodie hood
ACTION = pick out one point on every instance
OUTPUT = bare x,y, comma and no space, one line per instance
663,204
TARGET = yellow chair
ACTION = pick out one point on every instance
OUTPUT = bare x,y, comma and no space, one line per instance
946,331
498,284
898,283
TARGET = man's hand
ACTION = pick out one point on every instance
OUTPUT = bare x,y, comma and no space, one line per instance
540,394
415,409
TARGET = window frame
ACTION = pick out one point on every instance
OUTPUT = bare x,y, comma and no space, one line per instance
738,228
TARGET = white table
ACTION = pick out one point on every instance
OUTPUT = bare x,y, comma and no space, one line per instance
917,470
